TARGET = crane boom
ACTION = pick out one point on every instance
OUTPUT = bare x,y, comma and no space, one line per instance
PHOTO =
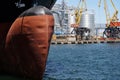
107,13
78,12
114,19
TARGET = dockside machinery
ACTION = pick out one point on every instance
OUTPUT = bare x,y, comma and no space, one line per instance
112,29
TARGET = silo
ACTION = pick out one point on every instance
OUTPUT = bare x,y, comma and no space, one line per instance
71,20
88,21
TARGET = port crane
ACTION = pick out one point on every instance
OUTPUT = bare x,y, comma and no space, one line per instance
112,29
80,31
78,12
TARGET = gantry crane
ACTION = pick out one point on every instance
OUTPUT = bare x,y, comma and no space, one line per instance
78,12
80,31
112,29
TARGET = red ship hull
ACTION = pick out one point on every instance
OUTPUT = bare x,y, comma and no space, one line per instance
27,44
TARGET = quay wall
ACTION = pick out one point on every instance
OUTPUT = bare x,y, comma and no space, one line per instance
84,41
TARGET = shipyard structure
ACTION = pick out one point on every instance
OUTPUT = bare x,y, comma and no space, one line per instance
87,29
65,16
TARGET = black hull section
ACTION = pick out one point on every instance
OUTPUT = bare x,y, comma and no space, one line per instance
13,8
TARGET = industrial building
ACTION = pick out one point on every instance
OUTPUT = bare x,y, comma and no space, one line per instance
65,23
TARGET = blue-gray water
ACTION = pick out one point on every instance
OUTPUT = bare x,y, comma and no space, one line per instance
83,62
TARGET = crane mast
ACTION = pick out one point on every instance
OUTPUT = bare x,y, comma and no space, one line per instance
110,19
115,15
78,12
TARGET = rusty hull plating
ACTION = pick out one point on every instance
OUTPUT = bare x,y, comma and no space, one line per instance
27,44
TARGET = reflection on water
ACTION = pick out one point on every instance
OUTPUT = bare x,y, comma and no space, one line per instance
83,62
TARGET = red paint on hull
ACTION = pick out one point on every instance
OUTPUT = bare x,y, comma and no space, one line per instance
27,46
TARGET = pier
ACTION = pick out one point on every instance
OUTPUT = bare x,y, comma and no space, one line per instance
63,39
84,41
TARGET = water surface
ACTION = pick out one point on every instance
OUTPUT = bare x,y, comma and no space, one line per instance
83,62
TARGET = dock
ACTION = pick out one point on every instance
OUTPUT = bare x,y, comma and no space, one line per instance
84,41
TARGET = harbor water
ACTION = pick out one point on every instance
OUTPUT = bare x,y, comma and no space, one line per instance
83,62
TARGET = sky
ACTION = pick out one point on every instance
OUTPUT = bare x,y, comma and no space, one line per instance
99,12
